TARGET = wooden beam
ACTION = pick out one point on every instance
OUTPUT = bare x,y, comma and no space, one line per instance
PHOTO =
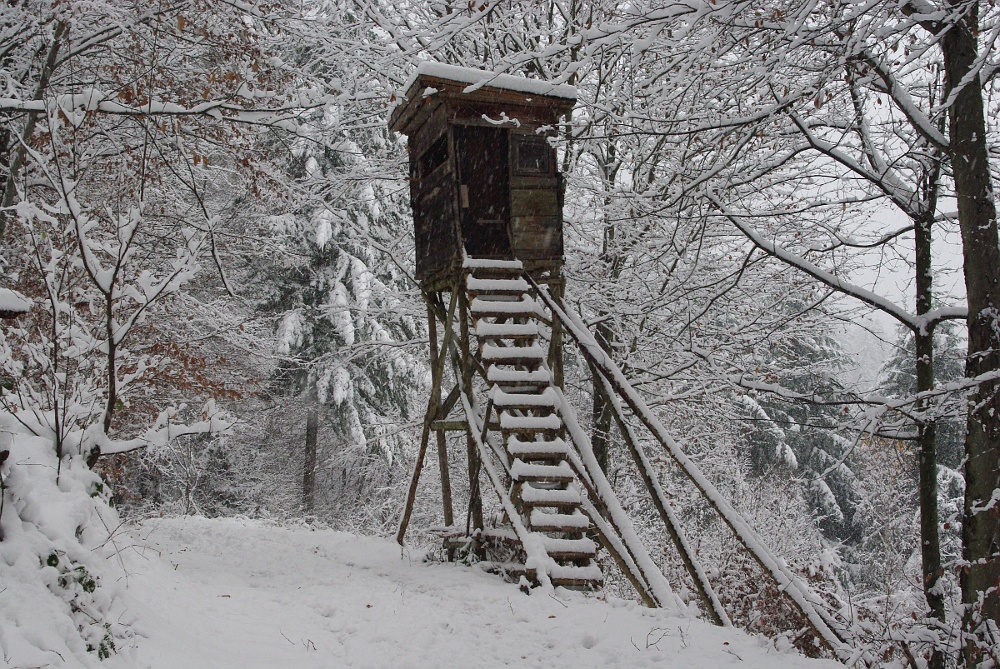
475,512
450,426
592,478
709,600
828,630
556,343
429,416
442,447
609,537
449,402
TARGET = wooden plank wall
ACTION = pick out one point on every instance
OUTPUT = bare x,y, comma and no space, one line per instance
535,194
434,197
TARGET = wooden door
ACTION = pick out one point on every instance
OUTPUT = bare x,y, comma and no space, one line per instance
484,191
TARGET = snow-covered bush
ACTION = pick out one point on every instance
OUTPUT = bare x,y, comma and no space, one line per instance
60,603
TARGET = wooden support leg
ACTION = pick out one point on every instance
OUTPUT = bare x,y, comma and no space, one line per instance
411,493
432,408
828,629
556,345
442,452
442,449
475,512
474,521
713,607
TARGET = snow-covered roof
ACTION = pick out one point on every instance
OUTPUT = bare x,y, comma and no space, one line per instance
13,302
477,78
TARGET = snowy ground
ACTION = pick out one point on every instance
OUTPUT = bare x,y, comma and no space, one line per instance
244,594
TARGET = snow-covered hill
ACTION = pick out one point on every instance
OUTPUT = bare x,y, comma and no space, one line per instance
243,594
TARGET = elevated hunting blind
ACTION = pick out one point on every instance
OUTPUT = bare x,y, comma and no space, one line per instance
487,210
483,176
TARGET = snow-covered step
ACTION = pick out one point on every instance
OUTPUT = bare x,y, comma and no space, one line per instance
511,423
537,450
545,399
512,571
558,522
501,534
574,549
489,263
500,297
526,306
477,285
503,400
523,471
572,575
518,376
532,496
507,330
512,355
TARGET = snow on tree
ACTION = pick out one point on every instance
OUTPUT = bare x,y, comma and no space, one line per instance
715,147
127,143
348,326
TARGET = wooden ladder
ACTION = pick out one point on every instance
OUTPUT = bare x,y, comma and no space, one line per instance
543,486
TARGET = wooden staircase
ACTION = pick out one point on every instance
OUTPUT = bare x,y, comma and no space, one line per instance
538,458
543,486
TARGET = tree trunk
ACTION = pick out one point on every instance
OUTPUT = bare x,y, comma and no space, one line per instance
603,333
978,222
601,436
309,466
930,541
19,152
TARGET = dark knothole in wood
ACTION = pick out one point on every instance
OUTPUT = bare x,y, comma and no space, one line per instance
483,175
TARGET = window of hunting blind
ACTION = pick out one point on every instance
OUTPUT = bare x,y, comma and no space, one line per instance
532,156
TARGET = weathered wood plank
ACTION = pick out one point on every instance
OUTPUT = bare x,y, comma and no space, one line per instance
537,238
534,203
434,224
432,130
449,425
442,447
533,182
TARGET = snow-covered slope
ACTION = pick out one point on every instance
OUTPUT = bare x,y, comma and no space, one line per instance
232,593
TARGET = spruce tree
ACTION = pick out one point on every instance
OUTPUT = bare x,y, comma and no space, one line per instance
346,333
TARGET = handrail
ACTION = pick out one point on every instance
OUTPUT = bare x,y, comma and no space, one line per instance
537,557
828,630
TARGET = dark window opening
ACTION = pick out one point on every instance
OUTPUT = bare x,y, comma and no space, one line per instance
434,157
532,156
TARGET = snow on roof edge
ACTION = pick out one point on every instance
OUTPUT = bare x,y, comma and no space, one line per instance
508,82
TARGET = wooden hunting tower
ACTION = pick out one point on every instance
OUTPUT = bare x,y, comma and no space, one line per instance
483,176
487,212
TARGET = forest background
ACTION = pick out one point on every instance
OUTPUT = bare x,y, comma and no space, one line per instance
206,225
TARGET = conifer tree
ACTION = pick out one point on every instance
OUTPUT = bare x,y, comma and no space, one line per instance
346,337
800,436
898,380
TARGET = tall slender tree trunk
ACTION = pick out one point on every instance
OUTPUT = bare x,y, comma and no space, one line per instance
930,540
602,416
977,218
604,333
309,466
19,152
